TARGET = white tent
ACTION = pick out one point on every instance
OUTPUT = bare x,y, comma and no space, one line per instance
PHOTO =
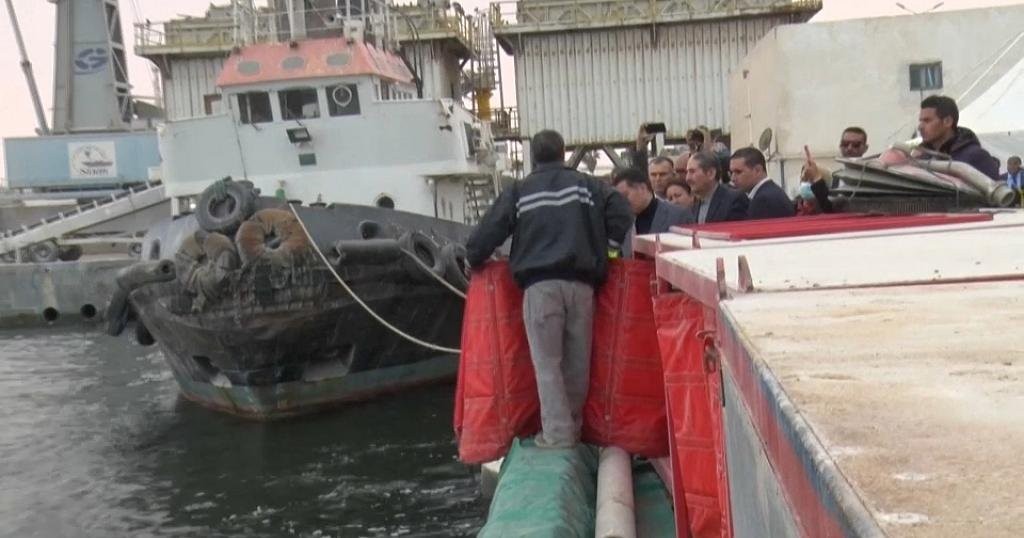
997,116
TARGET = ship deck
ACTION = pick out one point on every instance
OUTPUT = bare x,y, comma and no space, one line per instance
915,392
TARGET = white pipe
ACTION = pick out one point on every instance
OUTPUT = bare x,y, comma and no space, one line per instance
30,77
616,512
995,192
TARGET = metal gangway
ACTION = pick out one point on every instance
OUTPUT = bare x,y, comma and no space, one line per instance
67,223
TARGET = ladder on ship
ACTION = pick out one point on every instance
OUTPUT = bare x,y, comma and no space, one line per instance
480,195
82,217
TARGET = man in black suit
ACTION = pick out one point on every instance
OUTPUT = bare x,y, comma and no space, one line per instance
715,202
767,200
653,215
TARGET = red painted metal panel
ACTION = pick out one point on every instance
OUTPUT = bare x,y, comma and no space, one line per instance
805,501
823,225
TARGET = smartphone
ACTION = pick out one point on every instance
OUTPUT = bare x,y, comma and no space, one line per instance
653,128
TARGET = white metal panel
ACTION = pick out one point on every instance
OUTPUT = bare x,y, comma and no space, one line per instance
190,81
597,86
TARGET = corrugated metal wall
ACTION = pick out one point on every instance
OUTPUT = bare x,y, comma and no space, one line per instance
597,86
189,82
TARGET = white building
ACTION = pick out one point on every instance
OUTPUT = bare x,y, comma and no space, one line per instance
807,82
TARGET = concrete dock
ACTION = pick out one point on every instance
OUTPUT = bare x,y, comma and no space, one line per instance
38,294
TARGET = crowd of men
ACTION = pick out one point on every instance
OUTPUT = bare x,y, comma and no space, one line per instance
565,225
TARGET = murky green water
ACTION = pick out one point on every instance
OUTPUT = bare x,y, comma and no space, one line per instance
94,442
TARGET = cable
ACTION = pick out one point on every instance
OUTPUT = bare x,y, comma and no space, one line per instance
359,301
434,275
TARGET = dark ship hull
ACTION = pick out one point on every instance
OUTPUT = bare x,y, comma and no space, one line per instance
273,334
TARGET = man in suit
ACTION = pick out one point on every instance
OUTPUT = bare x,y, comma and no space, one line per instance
653,215
715,202
767,200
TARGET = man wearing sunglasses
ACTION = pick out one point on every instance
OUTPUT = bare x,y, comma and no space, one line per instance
853,144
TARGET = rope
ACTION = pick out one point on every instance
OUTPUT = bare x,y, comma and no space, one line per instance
434,275
359,301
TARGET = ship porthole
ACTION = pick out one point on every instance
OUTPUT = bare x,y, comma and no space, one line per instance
369,229
385,201
50,314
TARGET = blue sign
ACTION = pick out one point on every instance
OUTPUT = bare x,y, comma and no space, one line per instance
91,60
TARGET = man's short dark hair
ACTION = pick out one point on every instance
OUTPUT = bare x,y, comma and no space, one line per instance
706,161
632,175
751,157
661,159
857,131
945,107
1014,159
547,146
696,134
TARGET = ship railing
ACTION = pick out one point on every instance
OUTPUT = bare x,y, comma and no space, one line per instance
382,21
505,123
562,14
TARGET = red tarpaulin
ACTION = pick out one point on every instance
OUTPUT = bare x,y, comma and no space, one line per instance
626,402
496,392
700,484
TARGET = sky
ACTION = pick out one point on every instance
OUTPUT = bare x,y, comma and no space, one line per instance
37,21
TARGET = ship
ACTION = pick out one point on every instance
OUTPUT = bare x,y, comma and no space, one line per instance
315,254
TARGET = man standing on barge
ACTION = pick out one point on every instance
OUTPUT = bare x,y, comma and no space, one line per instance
563,224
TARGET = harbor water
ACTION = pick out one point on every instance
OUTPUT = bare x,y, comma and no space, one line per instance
96,442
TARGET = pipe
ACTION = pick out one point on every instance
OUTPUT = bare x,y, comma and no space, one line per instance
367,251
616,513
995,193
30,77
128,280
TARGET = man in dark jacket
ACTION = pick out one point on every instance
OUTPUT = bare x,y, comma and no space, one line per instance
938,125
715,202
562,224
653,215
767,200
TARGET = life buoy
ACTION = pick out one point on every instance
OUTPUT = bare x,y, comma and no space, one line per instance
224,205
219,259
273,233
454,257
424,249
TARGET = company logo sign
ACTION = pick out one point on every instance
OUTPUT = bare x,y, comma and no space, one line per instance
92,160
91,60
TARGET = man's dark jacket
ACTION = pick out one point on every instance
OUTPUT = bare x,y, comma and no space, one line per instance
966,148
562,223
727,204
666,215
770,202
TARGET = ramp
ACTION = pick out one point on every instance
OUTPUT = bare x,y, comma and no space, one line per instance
83,217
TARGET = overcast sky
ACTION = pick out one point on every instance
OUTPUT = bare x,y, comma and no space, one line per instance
37,24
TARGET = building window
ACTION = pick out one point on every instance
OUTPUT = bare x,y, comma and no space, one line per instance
924,77
212,104
254,107
299,104
343,100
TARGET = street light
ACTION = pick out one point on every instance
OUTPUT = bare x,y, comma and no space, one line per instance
912,12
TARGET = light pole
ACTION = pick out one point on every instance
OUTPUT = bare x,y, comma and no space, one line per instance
912,12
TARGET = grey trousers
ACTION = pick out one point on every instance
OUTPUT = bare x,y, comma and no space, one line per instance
559,316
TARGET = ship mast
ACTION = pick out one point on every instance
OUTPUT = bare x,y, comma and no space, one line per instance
26,66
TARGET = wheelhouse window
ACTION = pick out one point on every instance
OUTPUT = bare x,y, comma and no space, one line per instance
299,104
343,100
254,107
